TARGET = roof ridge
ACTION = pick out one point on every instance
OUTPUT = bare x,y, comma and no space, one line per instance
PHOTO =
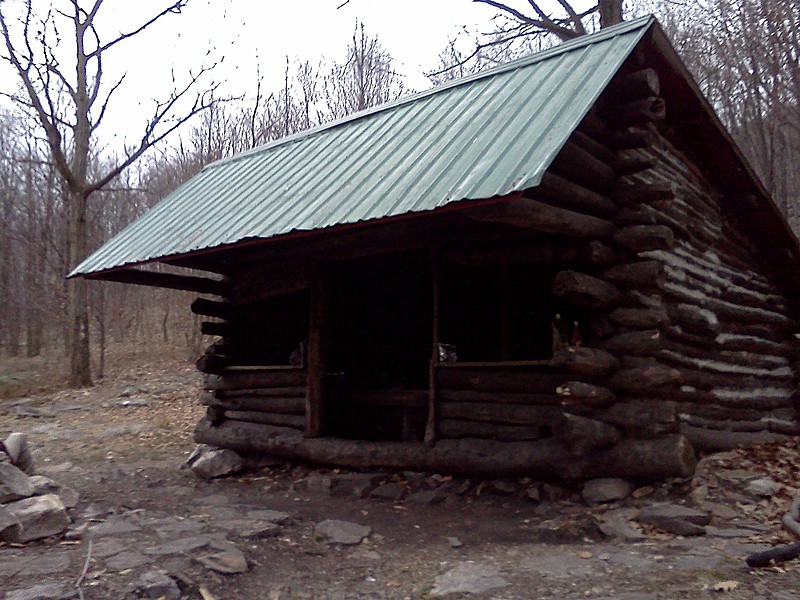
564,47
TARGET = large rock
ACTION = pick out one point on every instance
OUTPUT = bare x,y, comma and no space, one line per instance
7,521
44,485
763,487
676,519
216,463
228,561
156,584
468,578
389,491
39,517
14,483
658,512
609,489
342,532
16,446
43,591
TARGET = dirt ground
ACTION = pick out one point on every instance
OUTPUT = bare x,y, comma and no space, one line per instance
121,444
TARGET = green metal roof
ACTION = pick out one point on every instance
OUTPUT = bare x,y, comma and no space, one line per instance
487,135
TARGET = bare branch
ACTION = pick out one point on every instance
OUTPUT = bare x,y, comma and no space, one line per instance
202,102
577,23
173,8
104,106
544,21
47,120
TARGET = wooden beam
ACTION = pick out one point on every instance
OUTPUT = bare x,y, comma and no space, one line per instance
632,138
579,165
634,86
570,195
211,308
430,426
653,459
584,290
316,352
637,112
191,283
532,214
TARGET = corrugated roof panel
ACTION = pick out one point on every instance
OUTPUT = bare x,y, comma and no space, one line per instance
483,136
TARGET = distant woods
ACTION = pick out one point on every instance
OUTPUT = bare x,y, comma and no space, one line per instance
35,204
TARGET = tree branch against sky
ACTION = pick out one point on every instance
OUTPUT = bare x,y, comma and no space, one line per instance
518,23
61,77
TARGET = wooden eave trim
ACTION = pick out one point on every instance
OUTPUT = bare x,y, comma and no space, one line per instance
191,283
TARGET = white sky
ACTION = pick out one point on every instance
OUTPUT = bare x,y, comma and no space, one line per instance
253,34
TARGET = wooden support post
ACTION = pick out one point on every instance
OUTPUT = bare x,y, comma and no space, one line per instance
505,317
317,343
430,426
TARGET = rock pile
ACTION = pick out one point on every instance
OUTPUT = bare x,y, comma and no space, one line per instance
31,506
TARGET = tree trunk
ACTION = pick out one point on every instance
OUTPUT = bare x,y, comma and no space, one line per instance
610,12
77,292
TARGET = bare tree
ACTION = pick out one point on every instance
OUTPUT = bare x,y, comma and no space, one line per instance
521,28
745,54
366,78
69,107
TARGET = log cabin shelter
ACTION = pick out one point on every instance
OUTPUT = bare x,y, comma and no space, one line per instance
561,266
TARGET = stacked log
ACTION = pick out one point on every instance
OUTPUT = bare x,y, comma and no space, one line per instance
720,341
653,459
267,396
500,403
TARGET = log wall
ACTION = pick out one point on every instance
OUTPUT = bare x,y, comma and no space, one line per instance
685,336
269,396
729,328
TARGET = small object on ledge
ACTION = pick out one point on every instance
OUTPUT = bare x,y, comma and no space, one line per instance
447,353
577,339
298,356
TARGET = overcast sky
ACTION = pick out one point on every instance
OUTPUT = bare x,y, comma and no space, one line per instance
253,34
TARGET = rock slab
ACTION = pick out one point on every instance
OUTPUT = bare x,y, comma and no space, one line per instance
660,512
342,532
216,463
14,483
763,487
43,591
468,578
607,489
155,584
229,561
39,517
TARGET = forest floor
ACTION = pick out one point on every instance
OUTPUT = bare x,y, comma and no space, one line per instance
122,443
